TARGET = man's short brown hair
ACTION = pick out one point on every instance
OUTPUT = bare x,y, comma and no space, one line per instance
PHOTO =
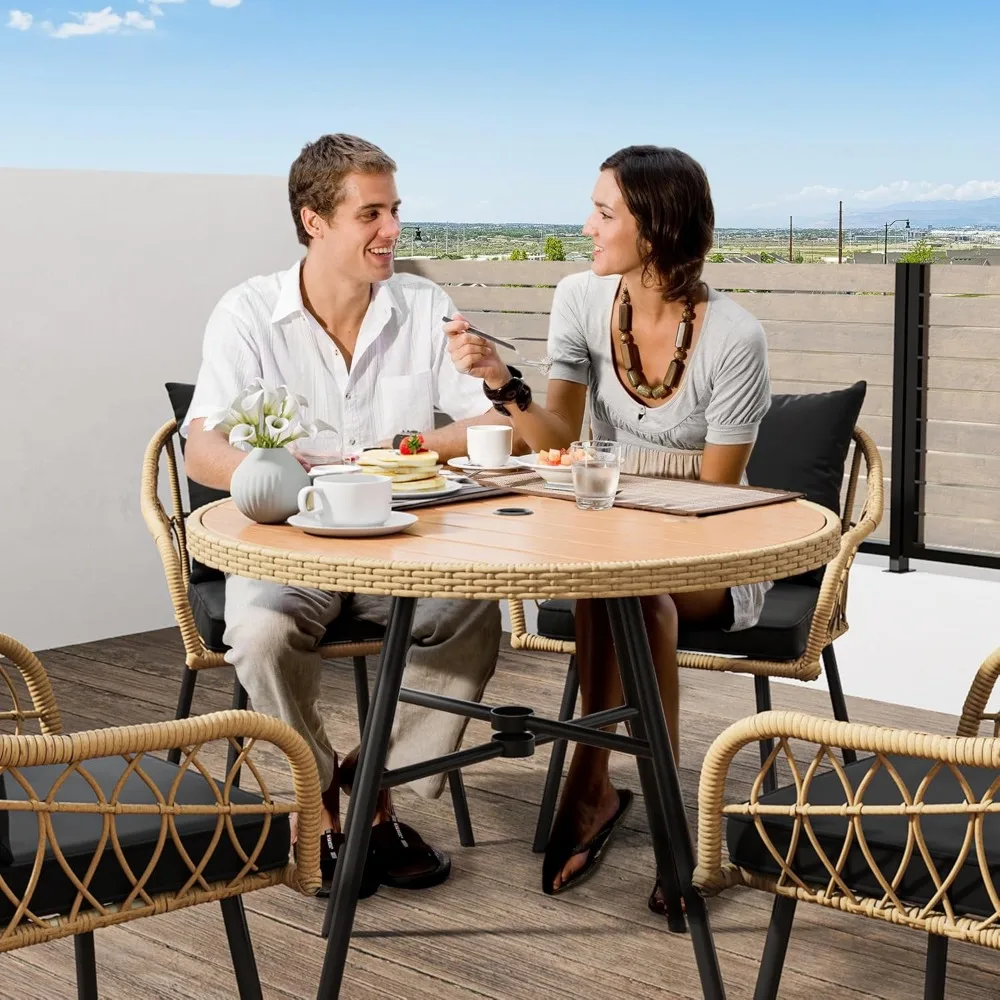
316,179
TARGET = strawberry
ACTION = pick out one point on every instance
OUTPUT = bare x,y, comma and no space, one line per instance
412,445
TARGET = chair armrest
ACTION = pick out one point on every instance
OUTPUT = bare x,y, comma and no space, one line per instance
43,698
191,736
974,710
169,535
832,599
711,876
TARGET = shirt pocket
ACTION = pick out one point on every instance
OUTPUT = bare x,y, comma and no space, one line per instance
406,402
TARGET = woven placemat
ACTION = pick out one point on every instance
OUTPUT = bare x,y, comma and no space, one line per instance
689,497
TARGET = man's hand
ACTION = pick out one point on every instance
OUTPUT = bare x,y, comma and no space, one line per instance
473,355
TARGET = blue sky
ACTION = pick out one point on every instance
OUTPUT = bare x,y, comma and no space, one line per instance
502,110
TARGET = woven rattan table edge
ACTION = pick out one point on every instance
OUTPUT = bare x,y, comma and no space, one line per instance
625,578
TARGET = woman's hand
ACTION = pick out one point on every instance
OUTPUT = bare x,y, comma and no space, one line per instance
473,355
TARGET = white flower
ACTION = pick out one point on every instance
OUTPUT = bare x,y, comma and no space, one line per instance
262,417
243,436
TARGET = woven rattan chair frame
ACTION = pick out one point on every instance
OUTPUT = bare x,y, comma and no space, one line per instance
938,916
830,617
202,742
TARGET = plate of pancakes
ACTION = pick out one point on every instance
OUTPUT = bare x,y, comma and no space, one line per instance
413,476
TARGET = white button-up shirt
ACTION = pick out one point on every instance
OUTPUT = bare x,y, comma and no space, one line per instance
400,373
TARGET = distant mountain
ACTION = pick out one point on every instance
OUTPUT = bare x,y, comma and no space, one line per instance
943,214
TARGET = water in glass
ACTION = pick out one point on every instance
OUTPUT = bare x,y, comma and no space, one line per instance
595,486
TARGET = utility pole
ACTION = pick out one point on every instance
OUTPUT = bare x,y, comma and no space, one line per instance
789,239
840,234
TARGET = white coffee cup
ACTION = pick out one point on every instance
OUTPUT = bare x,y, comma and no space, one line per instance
489,445
354,501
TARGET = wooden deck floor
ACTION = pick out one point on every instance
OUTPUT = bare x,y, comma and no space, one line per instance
489,932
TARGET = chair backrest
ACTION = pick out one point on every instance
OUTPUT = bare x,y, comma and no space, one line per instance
803,444
180,394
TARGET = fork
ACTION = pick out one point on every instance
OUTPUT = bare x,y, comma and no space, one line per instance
544,365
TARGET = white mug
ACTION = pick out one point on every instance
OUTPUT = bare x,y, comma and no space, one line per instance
489,445
354,501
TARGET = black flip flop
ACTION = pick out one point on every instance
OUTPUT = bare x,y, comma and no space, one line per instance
404,860
558,853
657,901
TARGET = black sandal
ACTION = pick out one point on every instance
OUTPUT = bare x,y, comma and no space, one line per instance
330,846
560,851
403,859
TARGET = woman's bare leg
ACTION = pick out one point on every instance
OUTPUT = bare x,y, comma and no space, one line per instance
589,800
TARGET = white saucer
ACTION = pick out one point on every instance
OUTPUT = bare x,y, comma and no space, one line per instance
398,520
450,486
332,470
463,463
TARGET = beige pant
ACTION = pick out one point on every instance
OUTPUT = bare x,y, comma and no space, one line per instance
274,632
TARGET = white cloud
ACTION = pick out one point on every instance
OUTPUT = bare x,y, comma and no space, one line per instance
133,19
20,20
816,191
929,191
100,22
225,3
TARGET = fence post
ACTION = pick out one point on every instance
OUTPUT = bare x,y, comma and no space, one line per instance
909,402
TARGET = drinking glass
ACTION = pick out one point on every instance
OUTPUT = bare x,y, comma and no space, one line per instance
596,468
322,448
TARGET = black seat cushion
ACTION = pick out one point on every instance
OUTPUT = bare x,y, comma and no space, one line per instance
78,835
208,603
181,394
556,621
803,445
781,633
886,835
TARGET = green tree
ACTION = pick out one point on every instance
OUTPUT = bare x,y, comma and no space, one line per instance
716,258
799,259
766,258
518,254
554,249
920,253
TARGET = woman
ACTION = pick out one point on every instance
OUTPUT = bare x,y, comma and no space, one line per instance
677,373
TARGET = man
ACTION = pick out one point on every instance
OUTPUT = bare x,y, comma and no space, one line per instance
366,348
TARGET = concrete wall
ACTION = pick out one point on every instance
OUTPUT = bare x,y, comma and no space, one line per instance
106,281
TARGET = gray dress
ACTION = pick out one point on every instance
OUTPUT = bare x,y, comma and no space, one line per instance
723,397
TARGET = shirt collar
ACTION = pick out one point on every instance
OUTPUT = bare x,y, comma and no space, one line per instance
388,298
289,294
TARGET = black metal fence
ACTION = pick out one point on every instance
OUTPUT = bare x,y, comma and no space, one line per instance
909,432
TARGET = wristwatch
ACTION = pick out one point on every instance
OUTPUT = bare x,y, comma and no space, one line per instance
515,390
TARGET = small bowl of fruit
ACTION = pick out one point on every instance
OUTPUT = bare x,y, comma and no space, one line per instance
554,465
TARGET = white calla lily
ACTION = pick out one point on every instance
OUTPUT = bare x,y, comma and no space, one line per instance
264,417
243,436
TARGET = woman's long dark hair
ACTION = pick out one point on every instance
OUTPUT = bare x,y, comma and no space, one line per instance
668,194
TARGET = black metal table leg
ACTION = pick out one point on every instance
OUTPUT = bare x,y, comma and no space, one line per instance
364,795
624,649
638,662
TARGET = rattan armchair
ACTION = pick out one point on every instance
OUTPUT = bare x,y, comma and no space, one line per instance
907,834
203,646
803,621
96,830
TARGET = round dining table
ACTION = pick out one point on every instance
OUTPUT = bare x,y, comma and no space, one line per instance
478,549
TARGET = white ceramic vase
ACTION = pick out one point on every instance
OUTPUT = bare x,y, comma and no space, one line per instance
265,486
